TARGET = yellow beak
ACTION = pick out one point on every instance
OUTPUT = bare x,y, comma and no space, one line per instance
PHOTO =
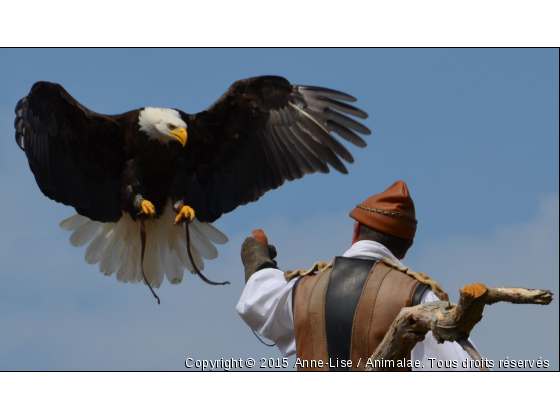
180,135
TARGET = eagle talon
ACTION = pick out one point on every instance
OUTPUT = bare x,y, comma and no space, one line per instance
186,214
148,209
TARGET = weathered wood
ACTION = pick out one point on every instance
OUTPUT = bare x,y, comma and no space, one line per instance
449,322
518,295
469,348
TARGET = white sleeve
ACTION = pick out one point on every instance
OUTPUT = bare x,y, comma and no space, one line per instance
266,306
450,356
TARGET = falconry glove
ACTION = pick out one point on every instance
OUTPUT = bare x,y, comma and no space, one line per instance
256,256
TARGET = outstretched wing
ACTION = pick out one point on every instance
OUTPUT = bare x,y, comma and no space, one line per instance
260,133
75,154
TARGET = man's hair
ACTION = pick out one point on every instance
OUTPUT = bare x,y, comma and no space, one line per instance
397,246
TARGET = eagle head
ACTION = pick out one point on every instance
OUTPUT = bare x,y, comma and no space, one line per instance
163,125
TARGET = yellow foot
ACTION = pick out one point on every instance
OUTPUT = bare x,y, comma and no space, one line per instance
185,214
148,208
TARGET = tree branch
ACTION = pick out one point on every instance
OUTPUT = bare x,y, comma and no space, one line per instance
469,348
449,322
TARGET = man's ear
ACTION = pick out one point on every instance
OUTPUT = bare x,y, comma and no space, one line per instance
356,232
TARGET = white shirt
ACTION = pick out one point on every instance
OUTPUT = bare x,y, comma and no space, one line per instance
266,306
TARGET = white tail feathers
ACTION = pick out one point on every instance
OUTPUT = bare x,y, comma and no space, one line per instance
116,246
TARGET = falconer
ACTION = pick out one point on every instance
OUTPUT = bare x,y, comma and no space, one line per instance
339,312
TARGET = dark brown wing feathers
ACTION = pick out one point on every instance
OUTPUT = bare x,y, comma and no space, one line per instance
260,133
75,154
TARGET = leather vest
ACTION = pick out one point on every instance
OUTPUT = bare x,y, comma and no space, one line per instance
342,314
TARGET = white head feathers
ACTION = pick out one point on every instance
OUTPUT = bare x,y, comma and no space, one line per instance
158,122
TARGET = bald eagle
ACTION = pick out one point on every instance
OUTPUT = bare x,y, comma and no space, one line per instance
162,165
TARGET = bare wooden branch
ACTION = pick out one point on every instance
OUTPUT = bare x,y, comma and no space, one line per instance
469,348
448,322
518,295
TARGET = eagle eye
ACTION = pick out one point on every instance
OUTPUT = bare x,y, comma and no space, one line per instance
171,126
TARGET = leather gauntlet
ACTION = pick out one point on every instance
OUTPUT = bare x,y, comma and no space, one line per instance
256,256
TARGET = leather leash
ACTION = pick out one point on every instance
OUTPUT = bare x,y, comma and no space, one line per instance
189,220
188,239
143,241
260,339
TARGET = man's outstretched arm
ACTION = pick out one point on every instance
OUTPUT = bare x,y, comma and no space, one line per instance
266,302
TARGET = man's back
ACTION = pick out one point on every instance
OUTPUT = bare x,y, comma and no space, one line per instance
342,314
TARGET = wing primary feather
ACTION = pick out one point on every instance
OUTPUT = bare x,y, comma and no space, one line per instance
319,91
318,131
308,149
341,106
346,134
289,167
300,165
332,115
326,153
271,157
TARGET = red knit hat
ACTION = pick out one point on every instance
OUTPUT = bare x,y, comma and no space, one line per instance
391,212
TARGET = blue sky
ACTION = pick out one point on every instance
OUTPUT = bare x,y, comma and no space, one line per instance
474,133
